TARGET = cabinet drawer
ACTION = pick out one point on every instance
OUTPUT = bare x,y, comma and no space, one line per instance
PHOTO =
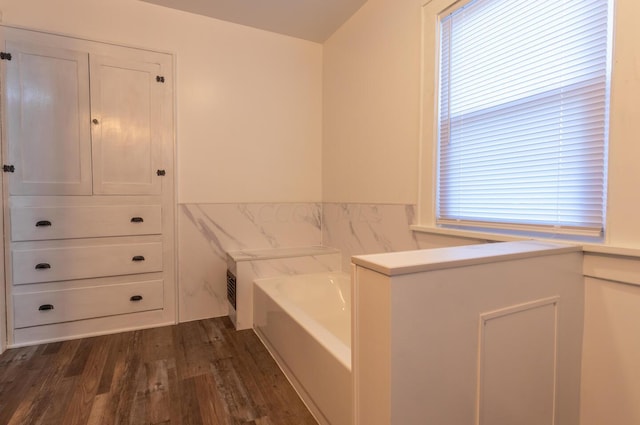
40,308
41,223
85,261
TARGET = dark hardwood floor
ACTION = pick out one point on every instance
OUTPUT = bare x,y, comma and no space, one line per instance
201,373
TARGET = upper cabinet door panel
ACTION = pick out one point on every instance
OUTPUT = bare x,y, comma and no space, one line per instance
127,144
48,130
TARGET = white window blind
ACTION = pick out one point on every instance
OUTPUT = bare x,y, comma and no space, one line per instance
523,115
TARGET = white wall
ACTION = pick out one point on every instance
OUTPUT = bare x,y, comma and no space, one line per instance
610,371
248,101
624,149
371,105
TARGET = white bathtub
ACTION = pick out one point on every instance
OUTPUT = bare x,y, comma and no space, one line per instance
305,322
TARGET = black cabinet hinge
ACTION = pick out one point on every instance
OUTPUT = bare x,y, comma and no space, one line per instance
161,172
159,78
5,56
8,168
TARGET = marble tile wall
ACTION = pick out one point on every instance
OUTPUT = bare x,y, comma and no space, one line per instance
357,229
207,231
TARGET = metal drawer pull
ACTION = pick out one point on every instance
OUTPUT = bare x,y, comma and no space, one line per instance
138,258
136,298
137,219
45,307
43,266
43,223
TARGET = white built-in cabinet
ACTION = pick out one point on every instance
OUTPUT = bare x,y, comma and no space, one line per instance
87,142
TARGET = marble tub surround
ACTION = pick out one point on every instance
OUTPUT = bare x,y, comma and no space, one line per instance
208,231
249,265
358,229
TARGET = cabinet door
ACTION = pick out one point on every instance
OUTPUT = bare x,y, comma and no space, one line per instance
127,145
47,119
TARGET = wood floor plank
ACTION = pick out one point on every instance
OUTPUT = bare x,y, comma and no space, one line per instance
139,403
125,376
190,407
264,421
194,350
79,360
116,343
271,382
44,379
84,393
54,410
157,344
213,410
196,373
175,396
12,359
52,348
157,392
14,380
97,409
250,387
215,332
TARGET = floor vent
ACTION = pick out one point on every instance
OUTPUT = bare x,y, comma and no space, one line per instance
231,288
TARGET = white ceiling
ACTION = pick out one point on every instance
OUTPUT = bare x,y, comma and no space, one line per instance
313,20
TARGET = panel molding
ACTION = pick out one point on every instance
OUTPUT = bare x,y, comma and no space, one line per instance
503,313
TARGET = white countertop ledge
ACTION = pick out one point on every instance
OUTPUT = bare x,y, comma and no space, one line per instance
406,262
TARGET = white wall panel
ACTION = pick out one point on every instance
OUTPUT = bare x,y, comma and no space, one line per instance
610,368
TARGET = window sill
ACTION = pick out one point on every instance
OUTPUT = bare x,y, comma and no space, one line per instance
467,234
498,237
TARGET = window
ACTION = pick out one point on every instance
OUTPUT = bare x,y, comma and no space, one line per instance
523,115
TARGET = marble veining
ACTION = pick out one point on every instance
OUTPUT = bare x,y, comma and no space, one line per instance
208,231
357,229
296,265
209,228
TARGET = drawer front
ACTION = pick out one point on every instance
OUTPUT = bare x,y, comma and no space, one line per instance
41,223
41,308
81,262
